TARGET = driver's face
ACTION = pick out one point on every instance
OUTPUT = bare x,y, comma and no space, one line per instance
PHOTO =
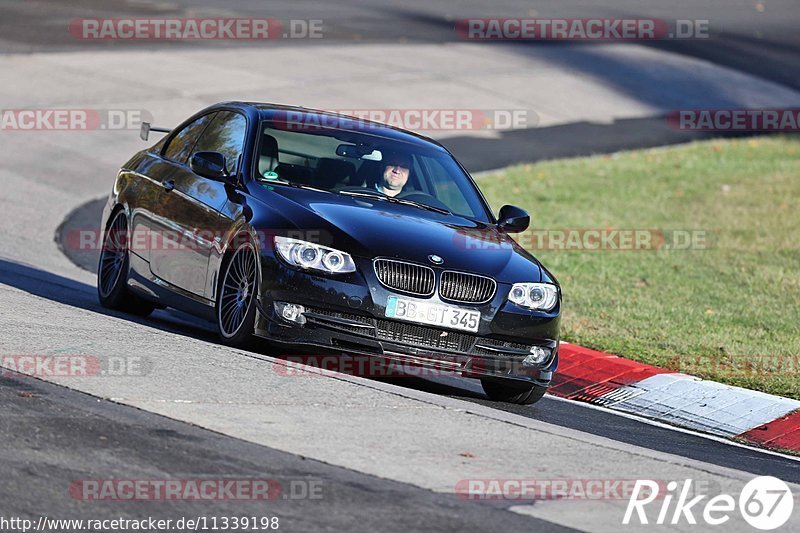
395,177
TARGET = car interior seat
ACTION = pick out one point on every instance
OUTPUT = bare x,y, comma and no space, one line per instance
268,156
368,174
332,173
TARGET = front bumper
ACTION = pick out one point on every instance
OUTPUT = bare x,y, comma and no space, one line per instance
345,314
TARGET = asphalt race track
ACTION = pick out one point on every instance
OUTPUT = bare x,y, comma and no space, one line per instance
759,39
75,433
385,454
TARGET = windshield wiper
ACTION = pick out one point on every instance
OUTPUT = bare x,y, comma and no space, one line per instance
394,200
290,184
364,194
420,205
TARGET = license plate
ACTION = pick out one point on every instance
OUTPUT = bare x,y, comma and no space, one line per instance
433,314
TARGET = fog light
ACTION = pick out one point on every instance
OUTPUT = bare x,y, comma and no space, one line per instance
538,356
291,312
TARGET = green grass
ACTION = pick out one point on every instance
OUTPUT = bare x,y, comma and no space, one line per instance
730,312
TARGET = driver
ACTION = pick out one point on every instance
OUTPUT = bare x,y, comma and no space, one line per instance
395,174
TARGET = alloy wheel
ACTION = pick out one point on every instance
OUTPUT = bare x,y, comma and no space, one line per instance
238,289
112,256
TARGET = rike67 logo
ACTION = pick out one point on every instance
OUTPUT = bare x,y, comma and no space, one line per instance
766,503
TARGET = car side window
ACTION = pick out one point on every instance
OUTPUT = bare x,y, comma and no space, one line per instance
180,146
225,135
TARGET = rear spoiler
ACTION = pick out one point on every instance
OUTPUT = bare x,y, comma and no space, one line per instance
147,128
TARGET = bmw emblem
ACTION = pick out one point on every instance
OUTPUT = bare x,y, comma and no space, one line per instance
435,259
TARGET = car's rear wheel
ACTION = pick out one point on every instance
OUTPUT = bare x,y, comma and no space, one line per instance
112,270
236,309
513,392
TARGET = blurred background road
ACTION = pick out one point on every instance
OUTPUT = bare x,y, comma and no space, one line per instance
584,97
755,36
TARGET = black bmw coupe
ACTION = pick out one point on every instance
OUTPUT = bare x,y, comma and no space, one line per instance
319,231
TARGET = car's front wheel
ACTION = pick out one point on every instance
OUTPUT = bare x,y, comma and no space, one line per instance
236,309
112,271
512,391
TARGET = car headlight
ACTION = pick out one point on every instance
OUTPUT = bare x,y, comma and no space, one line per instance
310,256
538,296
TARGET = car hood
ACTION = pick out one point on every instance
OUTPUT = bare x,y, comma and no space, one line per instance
373,228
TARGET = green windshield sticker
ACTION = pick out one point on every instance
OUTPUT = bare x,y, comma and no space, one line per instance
271,175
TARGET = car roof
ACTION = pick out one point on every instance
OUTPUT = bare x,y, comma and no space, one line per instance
266,111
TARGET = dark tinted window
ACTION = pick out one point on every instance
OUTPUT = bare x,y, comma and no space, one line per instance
346,161
225,135
180,146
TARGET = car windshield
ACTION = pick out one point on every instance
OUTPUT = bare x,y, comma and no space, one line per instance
363,164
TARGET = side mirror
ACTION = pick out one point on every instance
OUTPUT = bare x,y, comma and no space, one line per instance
512,219
211,165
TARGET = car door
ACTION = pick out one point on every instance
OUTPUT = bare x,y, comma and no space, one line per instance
148,211
166,234
193,205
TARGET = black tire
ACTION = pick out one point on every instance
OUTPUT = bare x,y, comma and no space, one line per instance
236,307
513,392
112,270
